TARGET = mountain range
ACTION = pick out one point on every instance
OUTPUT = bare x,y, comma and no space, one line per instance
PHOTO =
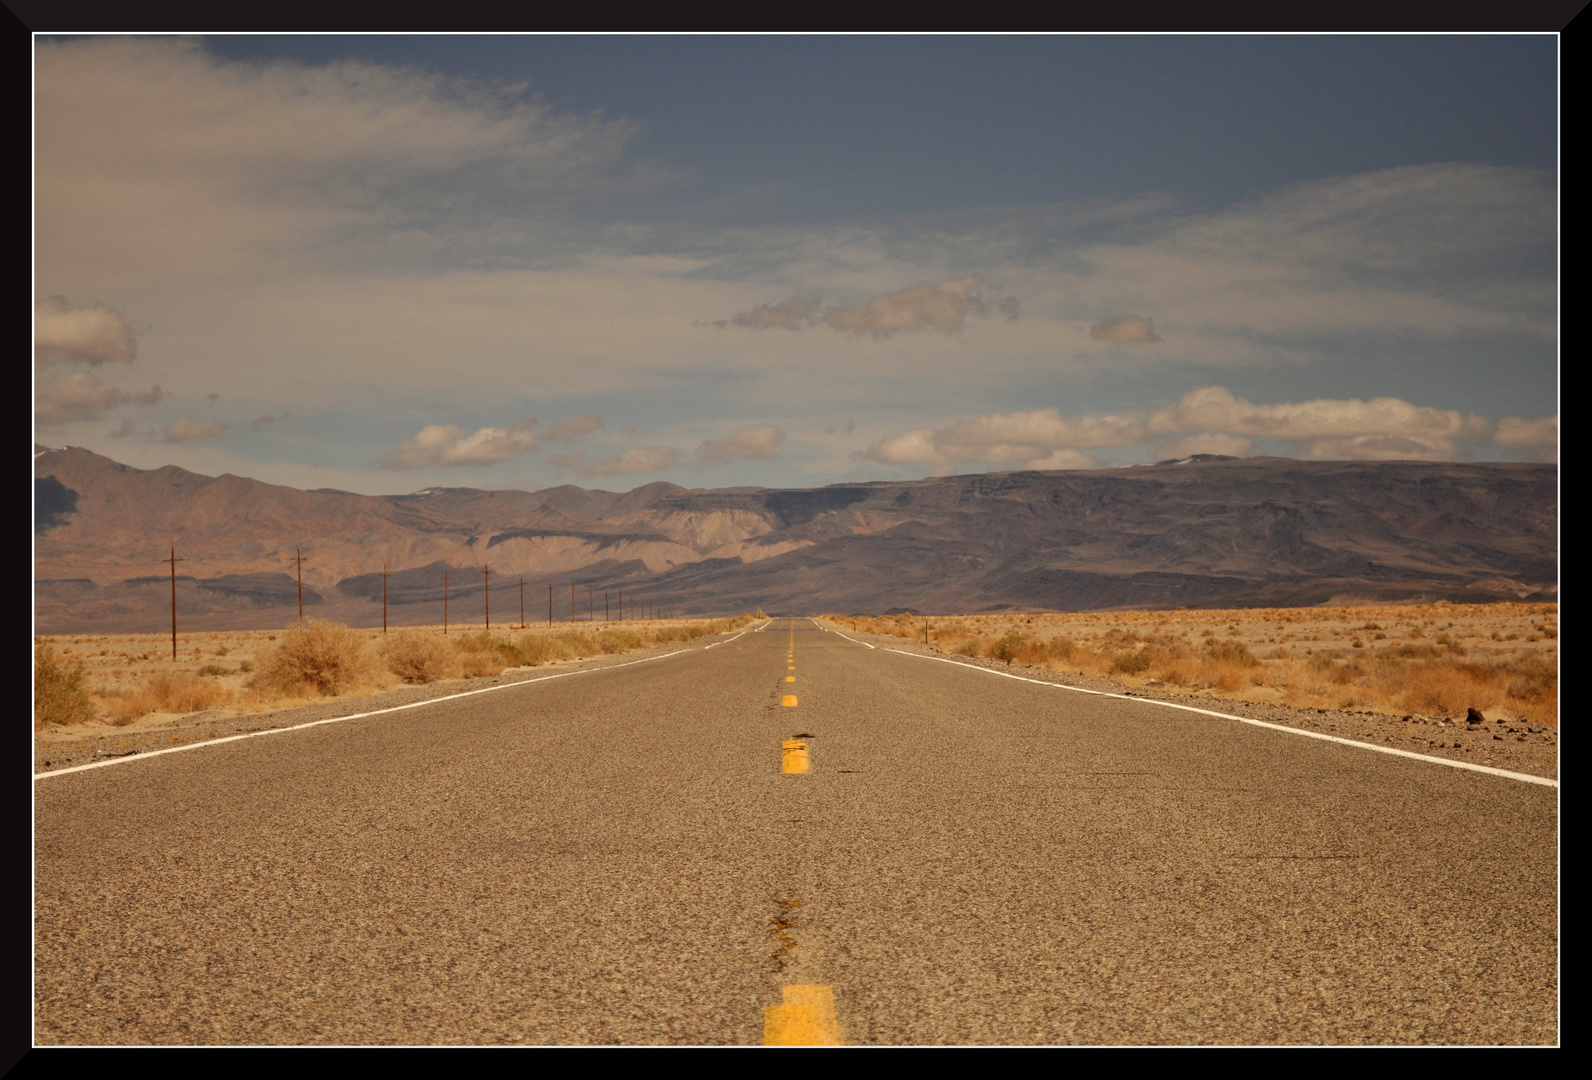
1198,532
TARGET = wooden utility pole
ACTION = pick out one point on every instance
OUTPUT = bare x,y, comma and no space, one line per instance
522,603
298,557
486,589
606,616
444,601
174,561
591,605
385,574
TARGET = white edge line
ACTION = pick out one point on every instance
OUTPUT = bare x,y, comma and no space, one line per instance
339,719
854,641
1490,770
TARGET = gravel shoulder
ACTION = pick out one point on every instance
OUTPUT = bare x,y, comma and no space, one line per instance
1506,745
82,744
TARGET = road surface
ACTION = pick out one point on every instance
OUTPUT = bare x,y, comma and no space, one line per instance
618,858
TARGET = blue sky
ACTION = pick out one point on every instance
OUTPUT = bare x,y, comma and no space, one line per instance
387,263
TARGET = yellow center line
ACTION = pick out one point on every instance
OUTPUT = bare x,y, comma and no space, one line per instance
793,757
789,701
790,678
807,1018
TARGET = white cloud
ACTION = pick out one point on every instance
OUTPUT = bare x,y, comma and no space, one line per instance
1214,421
944,307
1383,448
262,421
1040,435
1214,408
448,446
759,443
566,431
1063,459
643,459
1125,330
83,397
187,429
1515,431
93,334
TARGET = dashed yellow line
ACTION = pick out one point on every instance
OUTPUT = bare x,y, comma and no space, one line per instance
793,757
789,701
807,1018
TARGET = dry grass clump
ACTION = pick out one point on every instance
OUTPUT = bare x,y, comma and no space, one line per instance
60,690
325,657
416,656
165,691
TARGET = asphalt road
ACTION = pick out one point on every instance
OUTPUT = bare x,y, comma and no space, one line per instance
617,858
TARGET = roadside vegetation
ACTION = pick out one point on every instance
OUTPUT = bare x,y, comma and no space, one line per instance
60,689
1437,660
253,670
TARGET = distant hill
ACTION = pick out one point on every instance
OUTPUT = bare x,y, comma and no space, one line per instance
1200,532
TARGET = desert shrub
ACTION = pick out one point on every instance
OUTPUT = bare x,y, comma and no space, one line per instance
326,657
419,657
60,690
1006,647
1134,663
1232,652
970,647
165,691
1061,648
215,669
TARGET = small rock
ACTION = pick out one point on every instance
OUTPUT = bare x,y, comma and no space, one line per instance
1474,716
1498,738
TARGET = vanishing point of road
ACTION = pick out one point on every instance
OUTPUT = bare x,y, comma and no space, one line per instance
619,857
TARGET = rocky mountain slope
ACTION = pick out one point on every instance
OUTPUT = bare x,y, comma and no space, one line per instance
1213,532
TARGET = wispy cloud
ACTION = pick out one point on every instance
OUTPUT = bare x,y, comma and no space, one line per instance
759,443
1125,330
945,307
566,431
792,314
187,429
88,334
446,445
80,396
642,459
